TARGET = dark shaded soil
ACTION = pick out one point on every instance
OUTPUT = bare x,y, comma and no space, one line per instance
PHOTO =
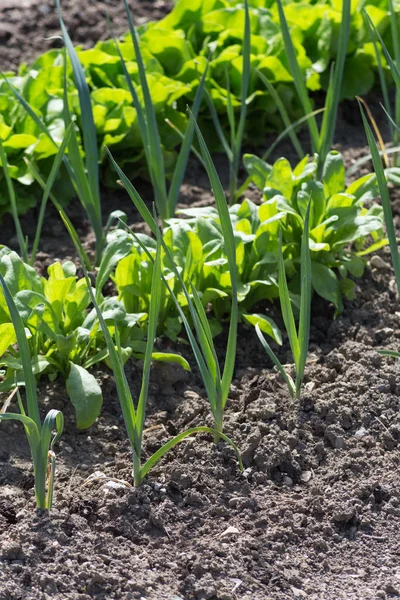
315,514
27,25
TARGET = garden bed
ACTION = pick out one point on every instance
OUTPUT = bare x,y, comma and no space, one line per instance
314,515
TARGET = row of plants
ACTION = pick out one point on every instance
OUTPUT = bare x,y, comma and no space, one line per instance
308,234
257,79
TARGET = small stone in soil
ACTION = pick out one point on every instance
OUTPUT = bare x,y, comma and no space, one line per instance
377,262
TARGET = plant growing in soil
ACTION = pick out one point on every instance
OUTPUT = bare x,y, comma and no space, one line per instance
174,51
236,129
342,230
387,208
217,385
134,417
40,436
298,339
65,337
379,47
321,140
165,200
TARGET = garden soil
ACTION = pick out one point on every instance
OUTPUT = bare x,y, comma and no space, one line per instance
316,512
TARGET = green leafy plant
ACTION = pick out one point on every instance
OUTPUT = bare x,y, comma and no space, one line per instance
217,385
174,52
298,339
342,231
134,416
65,336
39,435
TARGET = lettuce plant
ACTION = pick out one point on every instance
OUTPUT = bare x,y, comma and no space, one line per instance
174,52
64,335
39,435
342,232
298,338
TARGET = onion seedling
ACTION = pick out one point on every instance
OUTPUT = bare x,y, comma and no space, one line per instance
234,147
387,210
165,199
217,385
394,66
134,417
385,198
321,139
298,339
40,436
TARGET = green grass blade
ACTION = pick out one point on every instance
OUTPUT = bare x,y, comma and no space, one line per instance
49,184
13,203
396,48
218,127
125,397
286,306
181,164
394,69
230,247
382,78
245,83
71,228
229,109
88,126
134,195
284,115
285,376
182,136
289,129
82,182
153,136
335,88
390,353
207,342
384,192
23,346
154,311
305,301
181,436
298,78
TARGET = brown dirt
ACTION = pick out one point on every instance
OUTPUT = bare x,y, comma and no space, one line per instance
315,515
27,25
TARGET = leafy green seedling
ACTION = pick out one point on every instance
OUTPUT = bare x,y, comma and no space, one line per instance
298,339
166,200
233,147
134,417
40,436
321,139
217,385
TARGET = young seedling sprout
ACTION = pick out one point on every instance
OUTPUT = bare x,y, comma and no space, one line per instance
217,385
321,139
298,339
134,417
40,436
233,148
